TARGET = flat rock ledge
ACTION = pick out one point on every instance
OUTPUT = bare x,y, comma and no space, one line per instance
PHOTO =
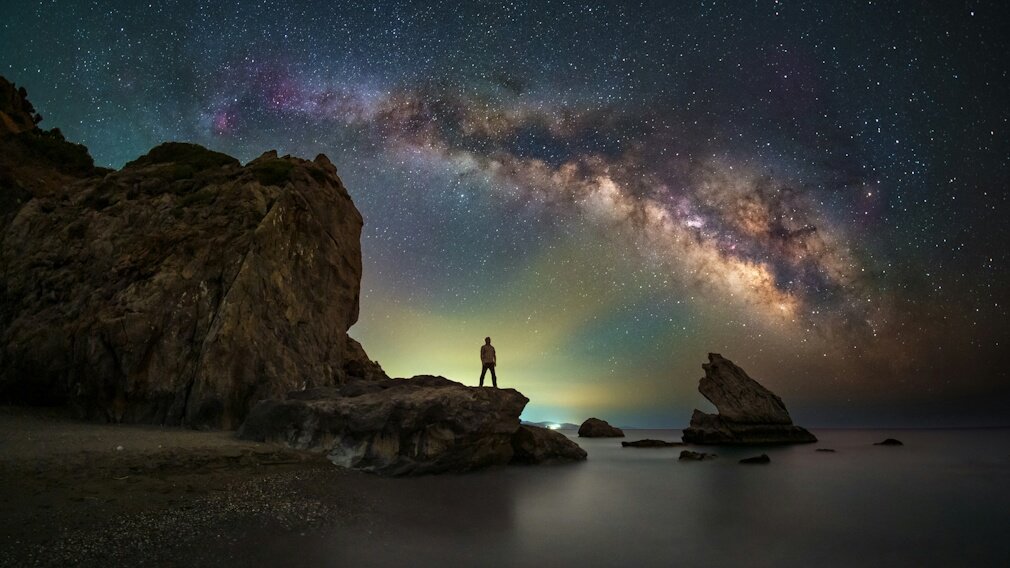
415,426
748,413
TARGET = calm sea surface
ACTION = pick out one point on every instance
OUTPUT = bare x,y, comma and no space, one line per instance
942,499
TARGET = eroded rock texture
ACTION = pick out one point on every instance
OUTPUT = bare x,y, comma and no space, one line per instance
178,290
409,426
748,413
186,288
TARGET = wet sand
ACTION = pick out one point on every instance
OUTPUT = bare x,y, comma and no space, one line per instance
77,493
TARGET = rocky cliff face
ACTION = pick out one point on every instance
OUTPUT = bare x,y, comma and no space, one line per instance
748,413
179,290
188,288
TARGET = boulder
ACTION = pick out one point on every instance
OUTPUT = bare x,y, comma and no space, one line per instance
889,442
763,458
408,427
179,290
649,443
688,455
596,428
748,413
536,445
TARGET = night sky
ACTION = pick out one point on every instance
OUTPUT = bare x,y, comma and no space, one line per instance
817,191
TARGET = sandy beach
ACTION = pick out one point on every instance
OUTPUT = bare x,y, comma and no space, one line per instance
97,494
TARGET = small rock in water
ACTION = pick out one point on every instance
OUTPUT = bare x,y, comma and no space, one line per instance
763,458
596,428
825,450
688,455
119,448
649,443
889,442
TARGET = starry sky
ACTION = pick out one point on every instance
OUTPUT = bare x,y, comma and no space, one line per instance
818,191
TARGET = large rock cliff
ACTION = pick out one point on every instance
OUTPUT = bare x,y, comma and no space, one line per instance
187,288
180,289
748,413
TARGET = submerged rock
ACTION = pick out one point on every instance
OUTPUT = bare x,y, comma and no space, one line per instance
409,426
748,413
889,442
649,443
688,455
179,290
763,458
536,445
828,450
596,428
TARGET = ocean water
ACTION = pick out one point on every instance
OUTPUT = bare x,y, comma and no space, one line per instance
942,499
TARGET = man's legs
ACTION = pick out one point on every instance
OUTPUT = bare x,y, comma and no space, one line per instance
483,371
494,379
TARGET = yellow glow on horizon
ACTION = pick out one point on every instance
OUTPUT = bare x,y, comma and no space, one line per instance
540,318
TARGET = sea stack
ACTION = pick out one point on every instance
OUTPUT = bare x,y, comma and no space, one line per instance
748,413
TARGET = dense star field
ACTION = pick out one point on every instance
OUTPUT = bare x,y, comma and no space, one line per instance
817,191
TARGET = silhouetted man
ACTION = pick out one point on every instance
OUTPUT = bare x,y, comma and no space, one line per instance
488,359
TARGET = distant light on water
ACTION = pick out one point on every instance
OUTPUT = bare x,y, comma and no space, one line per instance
554,426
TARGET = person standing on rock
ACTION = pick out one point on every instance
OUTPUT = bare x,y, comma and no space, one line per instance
488,360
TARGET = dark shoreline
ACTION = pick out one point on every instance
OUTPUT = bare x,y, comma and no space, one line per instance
169,497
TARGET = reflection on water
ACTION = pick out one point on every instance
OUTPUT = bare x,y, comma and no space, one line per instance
943,499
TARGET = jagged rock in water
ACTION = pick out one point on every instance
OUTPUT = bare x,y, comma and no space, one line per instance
596,428
536,445
180,289
748,413
649,443
688,455
762,459
408,426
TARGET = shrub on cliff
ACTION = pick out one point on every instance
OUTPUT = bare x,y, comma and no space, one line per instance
53,148
186,157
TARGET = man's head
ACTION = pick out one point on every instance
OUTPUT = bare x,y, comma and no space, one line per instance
487,340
